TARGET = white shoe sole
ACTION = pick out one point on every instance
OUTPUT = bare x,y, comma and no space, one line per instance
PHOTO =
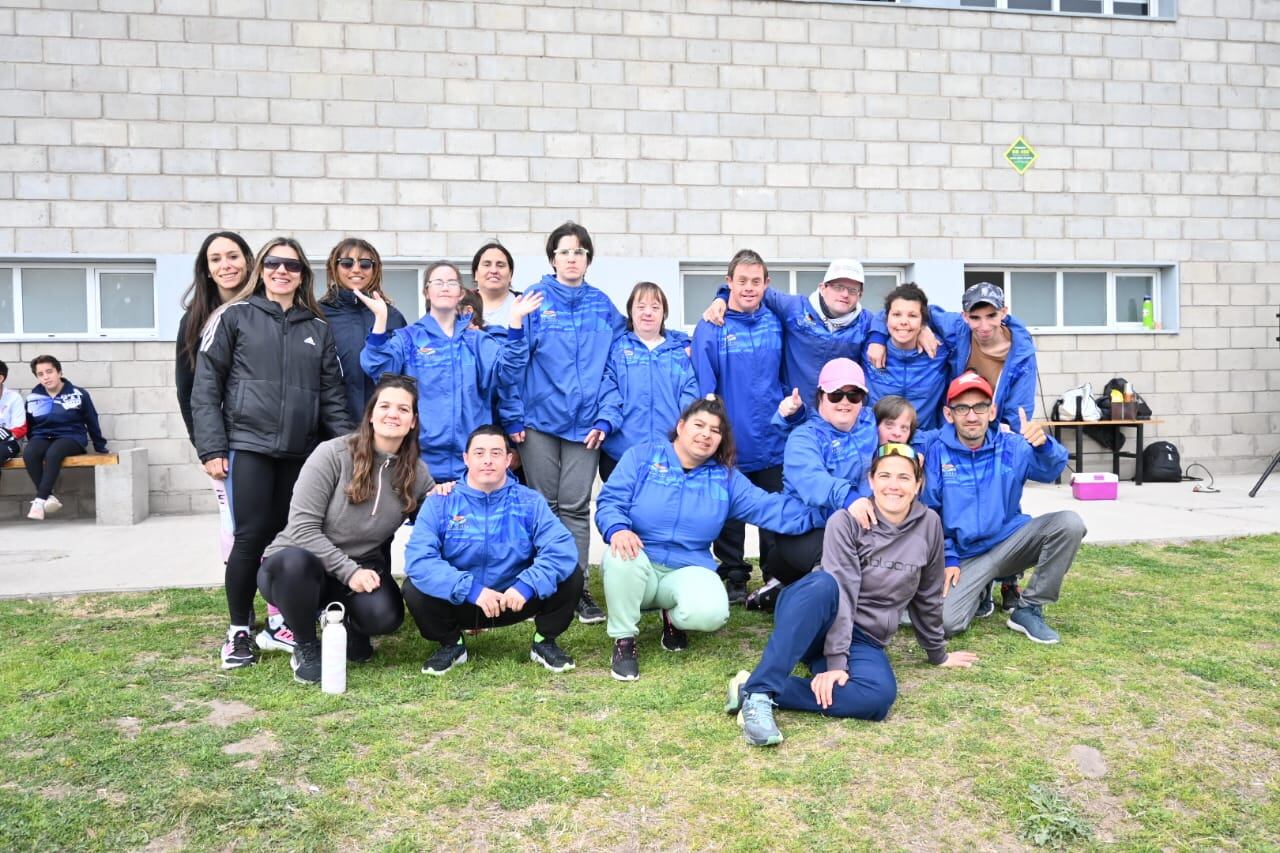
594,620
537,658
460,659
228,664
732,704
617,677
268,643
770,742
1024,632
52,505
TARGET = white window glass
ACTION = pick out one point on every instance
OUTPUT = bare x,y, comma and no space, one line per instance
54,300
875,289
319,281
1084,299
126,300
1130,291
699,290
6,301
1034,298
402,286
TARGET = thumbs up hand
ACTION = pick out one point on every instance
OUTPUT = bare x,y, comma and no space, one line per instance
1032,431
790,405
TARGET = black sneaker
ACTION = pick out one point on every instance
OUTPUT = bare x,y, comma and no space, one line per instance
306,662
444,659
673,639
554,658
238,651
625,666
765,598
1010,596
986,604
737,590
589,612
359,647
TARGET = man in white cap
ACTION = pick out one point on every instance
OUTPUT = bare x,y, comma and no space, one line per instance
828,323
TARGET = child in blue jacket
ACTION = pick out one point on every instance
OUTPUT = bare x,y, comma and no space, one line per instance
62,420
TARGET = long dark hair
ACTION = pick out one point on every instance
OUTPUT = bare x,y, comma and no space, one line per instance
726,453
331,270
202,296
364,473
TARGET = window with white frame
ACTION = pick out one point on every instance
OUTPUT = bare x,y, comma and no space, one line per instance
1076,7
701,282
63,300
1064,299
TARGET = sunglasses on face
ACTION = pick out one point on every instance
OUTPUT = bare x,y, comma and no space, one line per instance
896,449
290,265
366,264
853,395
961,409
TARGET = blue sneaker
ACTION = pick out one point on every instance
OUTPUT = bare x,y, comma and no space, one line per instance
986,604
756,719
1028,620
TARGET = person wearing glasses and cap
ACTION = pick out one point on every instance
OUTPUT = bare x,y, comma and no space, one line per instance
828,323
460,370
974,474
837,620
824,467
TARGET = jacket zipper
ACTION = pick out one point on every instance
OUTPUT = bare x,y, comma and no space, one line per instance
284,376
378,495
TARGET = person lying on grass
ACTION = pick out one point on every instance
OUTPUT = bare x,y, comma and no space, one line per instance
659,513
490,553
838,619
352,494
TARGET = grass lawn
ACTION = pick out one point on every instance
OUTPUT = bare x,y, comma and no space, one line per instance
1154,725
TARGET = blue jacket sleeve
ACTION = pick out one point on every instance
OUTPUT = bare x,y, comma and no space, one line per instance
609,415
706,357
90,414
807,475
1020,394
424,563
555,554
688,388
385,352
932,498
777,512
613,504
1047,461
948,325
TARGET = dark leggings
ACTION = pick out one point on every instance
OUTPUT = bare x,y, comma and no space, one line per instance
793,557
259,489
44,457
444,621
295,581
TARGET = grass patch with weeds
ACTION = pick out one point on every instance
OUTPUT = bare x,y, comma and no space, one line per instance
1155,724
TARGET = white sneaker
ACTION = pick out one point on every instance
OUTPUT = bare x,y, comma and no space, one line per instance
37,510
52,505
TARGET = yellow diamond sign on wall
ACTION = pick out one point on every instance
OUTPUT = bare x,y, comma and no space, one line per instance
1021,155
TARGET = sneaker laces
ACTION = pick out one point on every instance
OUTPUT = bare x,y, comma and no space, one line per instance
241,644
757,707
625,646
585,600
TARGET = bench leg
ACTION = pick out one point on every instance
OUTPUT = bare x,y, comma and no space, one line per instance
1137,461
122,490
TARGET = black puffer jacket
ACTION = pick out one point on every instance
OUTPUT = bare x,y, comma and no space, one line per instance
351,323
267,382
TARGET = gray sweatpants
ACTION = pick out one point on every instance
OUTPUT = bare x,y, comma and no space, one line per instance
564,472
1049,543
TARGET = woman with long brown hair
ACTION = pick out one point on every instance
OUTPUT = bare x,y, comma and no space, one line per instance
268,388
354,492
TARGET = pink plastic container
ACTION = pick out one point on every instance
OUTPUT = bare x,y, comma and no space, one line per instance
1095,487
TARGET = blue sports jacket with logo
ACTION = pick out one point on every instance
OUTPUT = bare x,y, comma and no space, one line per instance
644,391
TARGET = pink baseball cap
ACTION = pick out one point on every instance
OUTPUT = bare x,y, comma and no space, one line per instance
839,372
970,380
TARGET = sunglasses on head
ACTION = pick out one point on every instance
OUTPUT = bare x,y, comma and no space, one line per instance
398,377
292,265
853,395
365,263
896,449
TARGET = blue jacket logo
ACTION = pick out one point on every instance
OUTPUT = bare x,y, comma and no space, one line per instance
427,350
948,469
549,313
457,522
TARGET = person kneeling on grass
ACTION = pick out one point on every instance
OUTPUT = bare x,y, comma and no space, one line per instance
490,553
352,494
659,513
838,619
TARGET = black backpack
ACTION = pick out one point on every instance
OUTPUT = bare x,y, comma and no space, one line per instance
1161,463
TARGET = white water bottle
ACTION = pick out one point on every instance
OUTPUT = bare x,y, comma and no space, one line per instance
333,650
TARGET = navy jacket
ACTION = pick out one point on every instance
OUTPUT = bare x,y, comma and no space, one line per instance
69,415
351,322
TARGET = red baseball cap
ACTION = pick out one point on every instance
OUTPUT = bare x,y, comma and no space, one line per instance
969,381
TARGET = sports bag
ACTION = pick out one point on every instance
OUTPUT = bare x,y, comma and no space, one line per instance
1076,404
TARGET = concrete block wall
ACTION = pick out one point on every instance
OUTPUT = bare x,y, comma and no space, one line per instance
673,129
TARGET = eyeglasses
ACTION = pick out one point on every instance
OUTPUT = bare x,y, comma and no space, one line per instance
366,264
290,265
853,395
977,408
445,282
844,288
571,253
896,449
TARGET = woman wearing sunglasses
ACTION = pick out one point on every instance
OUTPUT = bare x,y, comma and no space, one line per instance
838,620
824,467
268,388
459,370
354,266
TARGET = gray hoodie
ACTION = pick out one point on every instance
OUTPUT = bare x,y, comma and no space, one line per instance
880,571
323,520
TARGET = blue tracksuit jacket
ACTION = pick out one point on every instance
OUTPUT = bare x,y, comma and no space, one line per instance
978,493
458,377
644,391
911,374
69,415
569,341
826,469
468,540
742,362
807,342
678,514
351,323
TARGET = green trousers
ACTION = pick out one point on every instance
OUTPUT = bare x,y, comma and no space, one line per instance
694,597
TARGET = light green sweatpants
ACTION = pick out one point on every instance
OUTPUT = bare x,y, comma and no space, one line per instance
693,596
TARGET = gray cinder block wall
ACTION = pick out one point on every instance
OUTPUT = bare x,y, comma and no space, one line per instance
679,129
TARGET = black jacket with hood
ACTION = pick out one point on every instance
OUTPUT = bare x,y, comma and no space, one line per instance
267,381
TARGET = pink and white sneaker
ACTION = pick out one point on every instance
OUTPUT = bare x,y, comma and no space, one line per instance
276,638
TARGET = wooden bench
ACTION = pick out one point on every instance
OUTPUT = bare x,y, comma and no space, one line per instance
1116,426
120,481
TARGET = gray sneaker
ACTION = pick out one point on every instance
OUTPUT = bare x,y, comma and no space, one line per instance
1029,620
756,719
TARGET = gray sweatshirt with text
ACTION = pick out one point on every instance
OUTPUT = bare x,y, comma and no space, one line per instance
880,571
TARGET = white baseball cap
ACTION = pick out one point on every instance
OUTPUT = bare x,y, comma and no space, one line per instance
844,268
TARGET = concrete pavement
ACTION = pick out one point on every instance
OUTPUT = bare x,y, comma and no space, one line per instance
57,557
